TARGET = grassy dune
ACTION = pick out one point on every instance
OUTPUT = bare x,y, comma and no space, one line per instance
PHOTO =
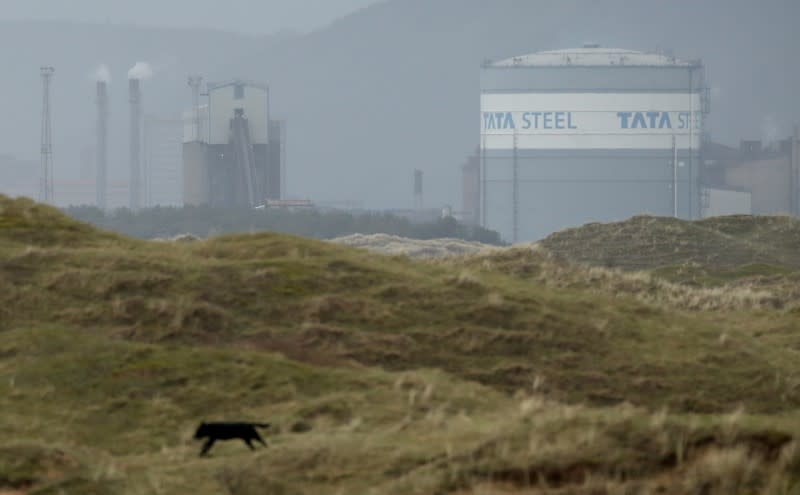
729,247
509,372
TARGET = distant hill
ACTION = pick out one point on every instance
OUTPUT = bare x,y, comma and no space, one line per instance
394,86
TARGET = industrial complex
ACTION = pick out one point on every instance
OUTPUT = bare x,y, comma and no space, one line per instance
597,134
224,151
567,137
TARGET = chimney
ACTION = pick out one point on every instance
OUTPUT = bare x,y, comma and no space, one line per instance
101,158
795,167
135,94
418,189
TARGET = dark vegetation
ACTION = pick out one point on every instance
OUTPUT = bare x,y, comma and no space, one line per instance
379,374
200,221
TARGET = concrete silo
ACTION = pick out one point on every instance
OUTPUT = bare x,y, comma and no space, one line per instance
588,134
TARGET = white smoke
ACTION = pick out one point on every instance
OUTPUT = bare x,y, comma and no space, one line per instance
141,70
102,74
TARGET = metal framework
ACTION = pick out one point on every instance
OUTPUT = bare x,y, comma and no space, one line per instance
482,186
46,187
515,195
674,177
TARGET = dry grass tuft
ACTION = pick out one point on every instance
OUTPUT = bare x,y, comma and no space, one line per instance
723,472
535,265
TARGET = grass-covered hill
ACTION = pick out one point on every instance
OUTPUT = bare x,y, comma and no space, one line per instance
645,242
381,375
753,260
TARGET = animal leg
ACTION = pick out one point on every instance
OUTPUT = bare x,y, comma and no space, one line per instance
260,440
249,443
207,446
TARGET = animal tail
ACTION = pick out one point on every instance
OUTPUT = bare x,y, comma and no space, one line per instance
261,425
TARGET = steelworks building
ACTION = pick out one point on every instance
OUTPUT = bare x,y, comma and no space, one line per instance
589,134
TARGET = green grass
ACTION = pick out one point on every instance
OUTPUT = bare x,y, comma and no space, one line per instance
511,372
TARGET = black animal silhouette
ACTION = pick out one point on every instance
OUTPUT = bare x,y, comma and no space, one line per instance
214,431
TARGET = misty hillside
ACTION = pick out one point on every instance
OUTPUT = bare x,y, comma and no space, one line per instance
395,86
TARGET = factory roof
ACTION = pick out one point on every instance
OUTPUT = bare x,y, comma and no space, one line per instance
592,56
236,82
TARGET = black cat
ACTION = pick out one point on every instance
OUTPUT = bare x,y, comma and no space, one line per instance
225,431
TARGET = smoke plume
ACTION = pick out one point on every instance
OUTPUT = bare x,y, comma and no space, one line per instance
141,70
102,74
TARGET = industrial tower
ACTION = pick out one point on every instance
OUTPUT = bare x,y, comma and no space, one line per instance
194,82
46,191
135,99
101,180
236,158
418,189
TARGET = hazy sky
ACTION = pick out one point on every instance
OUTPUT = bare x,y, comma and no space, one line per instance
248,16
